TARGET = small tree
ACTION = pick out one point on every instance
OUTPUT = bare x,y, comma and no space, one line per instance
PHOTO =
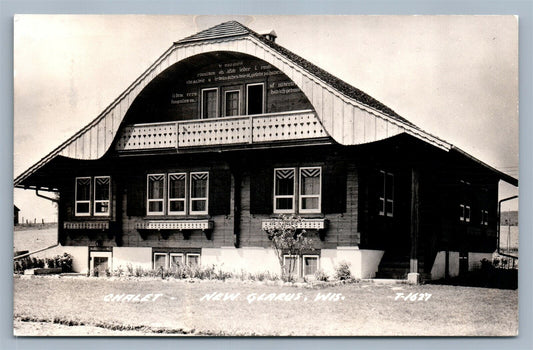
287,239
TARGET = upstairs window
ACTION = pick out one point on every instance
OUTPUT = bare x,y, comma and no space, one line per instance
231,103
156,185
210,103
102,189
284,184
386,193
83,196
199,192
255,99
464,213
176,193
310,189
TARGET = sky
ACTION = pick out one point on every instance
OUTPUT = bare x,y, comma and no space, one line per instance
454,76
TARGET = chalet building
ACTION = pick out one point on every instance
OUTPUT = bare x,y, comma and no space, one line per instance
226,131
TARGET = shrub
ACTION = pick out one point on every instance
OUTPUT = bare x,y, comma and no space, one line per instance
320,275
342,271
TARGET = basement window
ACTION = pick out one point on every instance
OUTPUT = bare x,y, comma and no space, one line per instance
310,264
83,196
290,263
160,261
176,260
193,259
284,195
102,189
156,185
199,192
386,193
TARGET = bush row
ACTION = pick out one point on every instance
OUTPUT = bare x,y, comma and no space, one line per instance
59,261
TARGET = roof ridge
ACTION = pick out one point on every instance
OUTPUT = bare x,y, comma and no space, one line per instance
218,31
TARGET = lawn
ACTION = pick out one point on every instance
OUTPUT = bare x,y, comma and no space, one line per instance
175,307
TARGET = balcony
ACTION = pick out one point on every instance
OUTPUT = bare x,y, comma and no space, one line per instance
256,129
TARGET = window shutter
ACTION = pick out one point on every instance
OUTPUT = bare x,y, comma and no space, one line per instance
136,195
219,192
334,188
261,187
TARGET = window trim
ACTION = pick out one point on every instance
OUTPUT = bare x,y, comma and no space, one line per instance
206,198
175,254
293,196
160,254
385,200
202,102
262,98
484,217
225,101
76,201
302,196
193,254
184,199
101,200
148,200
462,215
296,265
310,256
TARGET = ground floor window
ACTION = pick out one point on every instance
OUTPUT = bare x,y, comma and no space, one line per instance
464,213
290,263
160,261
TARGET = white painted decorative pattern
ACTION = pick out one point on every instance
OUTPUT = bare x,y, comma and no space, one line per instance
219,131
86,225
287,127
175,225
147,136
306,224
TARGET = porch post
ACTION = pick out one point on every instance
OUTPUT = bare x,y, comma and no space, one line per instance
415,219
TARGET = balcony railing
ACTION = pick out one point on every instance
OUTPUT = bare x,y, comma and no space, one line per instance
260,128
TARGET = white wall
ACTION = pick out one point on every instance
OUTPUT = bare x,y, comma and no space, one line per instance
134,256
80,256
250,259
363,263
438,270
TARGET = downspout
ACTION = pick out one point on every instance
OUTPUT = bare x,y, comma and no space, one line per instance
498,226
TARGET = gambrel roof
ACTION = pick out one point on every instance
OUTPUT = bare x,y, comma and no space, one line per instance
348,115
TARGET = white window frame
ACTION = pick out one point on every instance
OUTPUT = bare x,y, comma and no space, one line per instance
206,198
296,265
262,97
225,101
302,196
183,199
293,196
193,254
166,260
463,217
384,200
102,200
148,200
76,201
171,255
313,257
484,217
202,102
